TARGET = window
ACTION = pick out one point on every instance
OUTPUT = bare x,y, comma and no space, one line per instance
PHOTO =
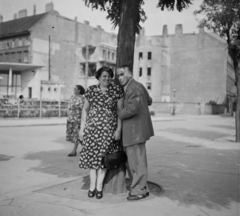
149,55
7,44
13,43
149,71
19,57
140,56
140,72
25,57
149,86
26,41
103,54
92,68
1,45
112,56
20,42
7,57
16,83
16,43
108,55
29,92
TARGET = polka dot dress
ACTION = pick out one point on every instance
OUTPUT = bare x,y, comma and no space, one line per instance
98,138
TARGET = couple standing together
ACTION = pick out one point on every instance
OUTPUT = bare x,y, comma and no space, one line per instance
109,113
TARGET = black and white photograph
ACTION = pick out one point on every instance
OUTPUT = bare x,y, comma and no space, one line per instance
120,107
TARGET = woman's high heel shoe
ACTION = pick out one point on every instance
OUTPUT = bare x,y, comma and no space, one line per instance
91,193
99,194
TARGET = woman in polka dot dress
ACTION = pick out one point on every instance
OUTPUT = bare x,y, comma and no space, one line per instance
101,127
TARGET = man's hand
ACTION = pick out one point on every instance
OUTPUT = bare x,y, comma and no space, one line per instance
117,135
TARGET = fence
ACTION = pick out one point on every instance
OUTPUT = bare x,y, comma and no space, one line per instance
187,108
33,108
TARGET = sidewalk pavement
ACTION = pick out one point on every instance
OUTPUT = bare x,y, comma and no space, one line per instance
190,158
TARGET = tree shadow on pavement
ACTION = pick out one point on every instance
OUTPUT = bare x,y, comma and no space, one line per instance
194,175
190,174
57,162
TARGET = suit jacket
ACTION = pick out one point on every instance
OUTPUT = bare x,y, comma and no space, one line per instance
137,123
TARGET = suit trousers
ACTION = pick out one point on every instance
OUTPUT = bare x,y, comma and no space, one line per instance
137,168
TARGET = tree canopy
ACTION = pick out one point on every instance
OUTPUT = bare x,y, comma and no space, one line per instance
221,16
114,9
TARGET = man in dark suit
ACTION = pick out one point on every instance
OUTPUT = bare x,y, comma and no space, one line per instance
137,129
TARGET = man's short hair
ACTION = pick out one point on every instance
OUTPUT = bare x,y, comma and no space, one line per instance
126,66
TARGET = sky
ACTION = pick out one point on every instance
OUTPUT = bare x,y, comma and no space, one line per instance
76,8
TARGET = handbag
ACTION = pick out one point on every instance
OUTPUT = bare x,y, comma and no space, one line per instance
114,159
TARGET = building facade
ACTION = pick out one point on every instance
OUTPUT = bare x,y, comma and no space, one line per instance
185,68
46,55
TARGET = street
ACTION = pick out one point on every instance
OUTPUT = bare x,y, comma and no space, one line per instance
194,158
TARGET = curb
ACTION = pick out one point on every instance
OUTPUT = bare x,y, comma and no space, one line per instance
28,125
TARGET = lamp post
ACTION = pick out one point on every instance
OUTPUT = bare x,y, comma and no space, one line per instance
174,108
59,107
40,102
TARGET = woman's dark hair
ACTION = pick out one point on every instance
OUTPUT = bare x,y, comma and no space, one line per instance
102,69
81,89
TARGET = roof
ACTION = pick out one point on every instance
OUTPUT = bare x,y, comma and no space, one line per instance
18,26
5,66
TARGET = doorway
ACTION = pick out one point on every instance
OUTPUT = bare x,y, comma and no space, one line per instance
29,92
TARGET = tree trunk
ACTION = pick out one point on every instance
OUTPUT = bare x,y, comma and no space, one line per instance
237,113
115,182
127,32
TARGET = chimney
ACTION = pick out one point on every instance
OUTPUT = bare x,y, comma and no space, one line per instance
165,31
178,30
99,27
49,7
86,22
22,13
15,16
34,9
1,18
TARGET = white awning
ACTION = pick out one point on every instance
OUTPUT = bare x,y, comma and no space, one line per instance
18,66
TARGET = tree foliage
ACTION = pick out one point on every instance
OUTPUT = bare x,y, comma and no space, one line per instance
223,17
113,8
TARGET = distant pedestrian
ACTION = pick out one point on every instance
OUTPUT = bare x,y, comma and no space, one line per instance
234,106
74,118
137,129
101,128
21,99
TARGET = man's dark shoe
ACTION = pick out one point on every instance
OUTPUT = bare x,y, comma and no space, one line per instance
136,197
147,194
